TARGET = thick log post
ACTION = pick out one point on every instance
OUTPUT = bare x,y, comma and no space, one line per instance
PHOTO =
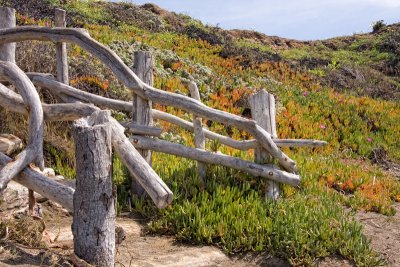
93,224
7,20
199,138
262,106
141,113
61,49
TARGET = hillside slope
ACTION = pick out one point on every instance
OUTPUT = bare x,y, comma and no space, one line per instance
343,90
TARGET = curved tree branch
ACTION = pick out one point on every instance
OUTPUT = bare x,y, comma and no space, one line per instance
128,77
34,149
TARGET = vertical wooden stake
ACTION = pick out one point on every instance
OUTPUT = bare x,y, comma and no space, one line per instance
262,106
61,49
199,139
7,20
141,113
93,225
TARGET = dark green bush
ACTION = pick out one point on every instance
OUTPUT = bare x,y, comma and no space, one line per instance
378,25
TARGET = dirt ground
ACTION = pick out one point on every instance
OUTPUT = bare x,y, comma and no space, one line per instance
147,251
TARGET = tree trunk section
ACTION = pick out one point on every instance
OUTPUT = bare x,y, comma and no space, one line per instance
7,20
94,204
141,113
263,112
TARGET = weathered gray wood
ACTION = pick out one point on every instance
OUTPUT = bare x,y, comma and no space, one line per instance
7,20
142,108
124,74
199,139
115,104
61,49
60,88
93,224
241,145
216,158
262,106
9,143
137,166
52,112
43,185
142,129
34,149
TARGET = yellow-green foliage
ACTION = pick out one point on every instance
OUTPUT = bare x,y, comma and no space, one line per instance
308,222
231,213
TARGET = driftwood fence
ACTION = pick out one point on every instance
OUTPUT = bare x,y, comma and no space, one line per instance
96,134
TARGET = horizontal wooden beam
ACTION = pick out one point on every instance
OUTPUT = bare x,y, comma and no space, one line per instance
43,185
128,77
52,112
142,129
120,105
266,171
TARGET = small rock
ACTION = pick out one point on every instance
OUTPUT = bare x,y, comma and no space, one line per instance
120,235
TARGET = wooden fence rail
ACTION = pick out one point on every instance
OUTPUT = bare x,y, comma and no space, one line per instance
103,102
134,152
126,75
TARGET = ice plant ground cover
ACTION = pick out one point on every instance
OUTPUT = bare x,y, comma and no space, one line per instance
358,116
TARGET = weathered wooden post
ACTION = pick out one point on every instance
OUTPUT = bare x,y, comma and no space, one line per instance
262,106
199,139
93,225
61,49
141,113
7,20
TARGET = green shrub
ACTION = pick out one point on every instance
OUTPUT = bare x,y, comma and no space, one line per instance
377,26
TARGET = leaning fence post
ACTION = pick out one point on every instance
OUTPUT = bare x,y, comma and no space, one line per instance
93,224
262,106
199,139
141,113
7,20
61,49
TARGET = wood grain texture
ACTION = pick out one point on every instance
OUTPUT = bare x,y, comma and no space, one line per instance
9,143
51,112
34,150
142,108
48,188
155,187
262,106
128,77
199,138
216,158
115,104
93,224
142,129
61,48
7,20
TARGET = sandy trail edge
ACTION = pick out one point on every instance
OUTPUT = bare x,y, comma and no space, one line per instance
149,251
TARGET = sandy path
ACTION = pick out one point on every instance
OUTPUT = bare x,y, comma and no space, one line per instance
148,251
